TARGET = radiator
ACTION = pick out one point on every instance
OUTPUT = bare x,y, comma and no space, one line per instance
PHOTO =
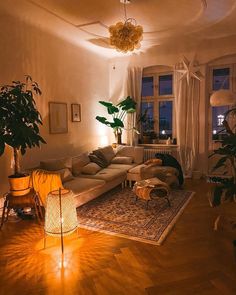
150,153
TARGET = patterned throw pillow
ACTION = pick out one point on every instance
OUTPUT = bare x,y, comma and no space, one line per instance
153,162
101,162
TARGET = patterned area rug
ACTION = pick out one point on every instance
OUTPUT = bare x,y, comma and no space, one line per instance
117,213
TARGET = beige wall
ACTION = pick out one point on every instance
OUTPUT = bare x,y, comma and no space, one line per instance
205,52
65,72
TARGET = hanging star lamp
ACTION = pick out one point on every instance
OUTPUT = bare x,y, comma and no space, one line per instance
126,36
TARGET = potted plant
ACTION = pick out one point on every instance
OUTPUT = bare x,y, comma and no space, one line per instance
19,126
118,114
225,189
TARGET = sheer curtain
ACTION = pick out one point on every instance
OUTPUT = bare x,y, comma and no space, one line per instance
187,97
134,89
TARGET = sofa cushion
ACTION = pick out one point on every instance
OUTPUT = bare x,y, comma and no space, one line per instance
82,185
137,169
125,151
107,174
138,154
56,164
122,160
106,152
79,162
65,174
91,168
124,167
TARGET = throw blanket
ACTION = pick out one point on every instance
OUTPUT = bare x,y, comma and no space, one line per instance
44,182
143,188
168,160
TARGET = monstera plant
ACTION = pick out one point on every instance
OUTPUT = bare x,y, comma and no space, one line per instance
117,114
19,126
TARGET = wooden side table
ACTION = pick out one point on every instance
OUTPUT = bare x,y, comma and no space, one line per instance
17,202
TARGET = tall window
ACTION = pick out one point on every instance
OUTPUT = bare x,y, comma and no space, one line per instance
220,80
157,106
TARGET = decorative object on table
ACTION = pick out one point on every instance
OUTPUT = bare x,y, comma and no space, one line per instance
75,112
151,189
225,189
126,36
19,126
117,213
189,69
60,215
58,122
118,113
30,201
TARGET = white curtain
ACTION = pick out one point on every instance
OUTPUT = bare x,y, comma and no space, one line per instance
134,88
187,98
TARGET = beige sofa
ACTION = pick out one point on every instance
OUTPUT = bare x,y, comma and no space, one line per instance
84,175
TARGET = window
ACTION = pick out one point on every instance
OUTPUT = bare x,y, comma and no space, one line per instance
221,78
165,85
165,119
217,120
147,86
157,106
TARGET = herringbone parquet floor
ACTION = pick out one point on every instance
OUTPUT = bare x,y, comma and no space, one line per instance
194,259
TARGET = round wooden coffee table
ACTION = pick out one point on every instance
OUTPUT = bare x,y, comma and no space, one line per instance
150,189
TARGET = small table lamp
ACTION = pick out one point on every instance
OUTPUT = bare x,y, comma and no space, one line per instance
60,216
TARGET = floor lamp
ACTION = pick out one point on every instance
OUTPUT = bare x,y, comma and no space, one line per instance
60,216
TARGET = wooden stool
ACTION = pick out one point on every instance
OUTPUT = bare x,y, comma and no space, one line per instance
17,202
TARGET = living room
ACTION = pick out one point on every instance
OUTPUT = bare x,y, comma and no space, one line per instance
64,46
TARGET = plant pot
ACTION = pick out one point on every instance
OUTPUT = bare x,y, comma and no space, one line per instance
19,185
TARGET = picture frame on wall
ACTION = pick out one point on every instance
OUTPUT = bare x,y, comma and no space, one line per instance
58,120
75,112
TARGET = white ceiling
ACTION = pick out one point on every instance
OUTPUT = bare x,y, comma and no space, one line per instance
162,20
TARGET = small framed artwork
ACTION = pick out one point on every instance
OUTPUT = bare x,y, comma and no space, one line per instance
75,112
58,121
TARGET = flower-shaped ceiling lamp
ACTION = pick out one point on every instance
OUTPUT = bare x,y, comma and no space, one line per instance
126,36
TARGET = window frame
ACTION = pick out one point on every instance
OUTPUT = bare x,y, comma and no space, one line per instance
156,98
213,143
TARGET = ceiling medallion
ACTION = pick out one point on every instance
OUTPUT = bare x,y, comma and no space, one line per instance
126,36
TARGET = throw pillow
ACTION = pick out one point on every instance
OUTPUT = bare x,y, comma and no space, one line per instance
107,153
125,151
91,168
94,158
79,162
56,164
65,174
122,160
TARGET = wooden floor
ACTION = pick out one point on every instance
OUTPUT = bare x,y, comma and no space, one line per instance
194,259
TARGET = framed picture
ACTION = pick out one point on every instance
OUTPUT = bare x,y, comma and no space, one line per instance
75,112
58,121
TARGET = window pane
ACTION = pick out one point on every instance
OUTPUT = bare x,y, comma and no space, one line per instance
165,119
217,119
165,85
221,78
147,121
147,86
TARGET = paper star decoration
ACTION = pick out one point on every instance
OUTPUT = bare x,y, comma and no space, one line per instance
189,69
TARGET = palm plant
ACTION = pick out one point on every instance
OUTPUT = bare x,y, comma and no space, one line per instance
118,114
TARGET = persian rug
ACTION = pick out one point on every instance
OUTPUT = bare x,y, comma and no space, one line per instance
118,213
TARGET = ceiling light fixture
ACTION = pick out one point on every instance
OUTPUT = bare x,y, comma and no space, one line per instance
126,36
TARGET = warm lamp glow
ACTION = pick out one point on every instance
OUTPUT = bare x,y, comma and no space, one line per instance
126,36
60,216
222,97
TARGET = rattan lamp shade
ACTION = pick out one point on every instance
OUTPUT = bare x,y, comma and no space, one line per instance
60,216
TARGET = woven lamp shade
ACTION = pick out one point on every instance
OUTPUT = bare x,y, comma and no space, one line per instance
60,216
